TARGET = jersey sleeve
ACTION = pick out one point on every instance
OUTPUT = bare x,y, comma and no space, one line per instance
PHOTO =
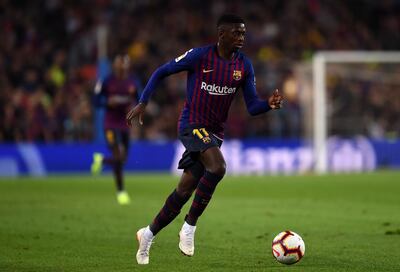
254,105
185,62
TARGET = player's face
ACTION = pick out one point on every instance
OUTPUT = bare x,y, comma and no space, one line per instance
121,64
235,36
117,64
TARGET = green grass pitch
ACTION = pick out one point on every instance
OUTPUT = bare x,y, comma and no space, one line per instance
73,223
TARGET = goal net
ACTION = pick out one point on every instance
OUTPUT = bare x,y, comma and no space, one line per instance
350,99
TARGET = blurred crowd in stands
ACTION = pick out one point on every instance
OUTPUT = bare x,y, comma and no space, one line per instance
365,99
48,60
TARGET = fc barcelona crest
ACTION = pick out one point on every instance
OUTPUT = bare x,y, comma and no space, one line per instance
237,75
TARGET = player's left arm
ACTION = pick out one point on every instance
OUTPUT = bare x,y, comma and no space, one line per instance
184,62
254,104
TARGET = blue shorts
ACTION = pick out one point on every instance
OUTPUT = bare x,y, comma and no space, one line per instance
196,140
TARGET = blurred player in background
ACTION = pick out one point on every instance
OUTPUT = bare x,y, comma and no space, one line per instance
215,74
116,93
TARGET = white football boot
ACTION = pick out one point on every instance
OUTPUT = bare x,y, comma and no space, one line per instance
145,239
186,239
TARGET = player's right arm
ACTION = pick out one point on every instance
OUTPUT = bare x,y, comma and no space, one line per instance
185,62
254,104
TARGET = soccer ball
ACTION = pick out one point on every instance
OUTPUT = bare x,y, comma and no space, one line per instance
288,247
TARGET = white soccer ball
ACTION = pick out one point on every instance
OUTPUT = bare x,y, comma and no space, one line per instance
288,247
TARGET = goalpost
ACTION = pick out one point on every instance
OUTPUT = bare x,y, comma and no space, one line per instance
320,122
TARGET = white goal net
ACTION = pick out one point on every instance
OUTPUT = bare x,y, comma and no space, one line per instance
354,95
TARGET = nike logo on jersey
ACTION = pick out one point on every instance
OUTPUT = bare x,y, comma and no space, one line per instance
207,71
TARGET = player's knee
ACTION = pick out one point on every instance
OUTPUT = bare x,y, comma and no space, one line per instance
218,169
118,158
123,159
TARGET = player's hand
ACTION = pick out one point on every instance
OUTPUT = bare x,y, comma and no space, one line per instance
275,100
138,110
112,102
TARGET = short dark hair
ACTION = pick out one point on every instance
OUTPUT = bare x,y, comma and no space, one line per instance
229,18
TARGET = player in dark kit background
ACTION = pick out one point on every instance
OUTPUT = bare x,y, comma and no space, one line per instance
116,94
215,73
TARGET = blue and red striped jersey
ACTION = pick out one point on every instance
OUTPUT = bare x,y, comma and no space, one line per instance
212,83
124,92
